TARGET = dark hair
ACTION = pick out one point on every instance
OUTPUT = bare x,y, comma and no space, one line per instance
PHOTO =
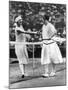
46,17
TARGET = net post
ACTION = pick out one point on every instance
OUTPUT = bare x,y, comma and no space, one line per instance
33,60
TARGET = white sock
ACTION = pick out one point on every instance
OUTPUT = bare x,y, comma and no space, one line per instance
22,68
53,68
46,68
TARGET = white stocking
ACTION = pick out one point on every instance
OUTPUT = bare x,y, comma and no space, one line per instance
46,68
22,68
53,68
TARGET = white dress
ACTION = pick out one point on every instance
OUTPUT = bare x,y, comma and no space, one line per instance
51,52
21,50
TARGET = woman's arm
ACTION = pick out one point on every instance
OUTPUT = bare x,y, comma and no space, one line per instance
29,32
21,30
26,32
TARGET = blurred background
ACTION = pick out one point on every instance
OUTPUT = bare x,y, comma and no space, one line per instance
32,14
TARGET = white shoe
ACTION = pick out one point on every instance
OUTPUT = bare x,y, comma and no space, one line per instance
45,75
52,74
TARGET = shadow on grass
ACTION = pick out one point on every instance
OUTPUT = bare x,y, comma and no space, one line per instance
19,79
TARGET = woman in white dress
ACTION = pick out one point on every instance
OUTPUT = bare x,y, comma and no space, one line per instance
50,52
21,49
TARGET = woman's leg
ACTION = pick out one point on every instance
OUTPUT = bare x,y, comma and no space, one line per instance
53,70
46,70
22,68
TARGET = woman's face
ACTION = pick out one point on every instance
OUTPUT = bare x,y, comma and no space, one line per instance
20,21
45,22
